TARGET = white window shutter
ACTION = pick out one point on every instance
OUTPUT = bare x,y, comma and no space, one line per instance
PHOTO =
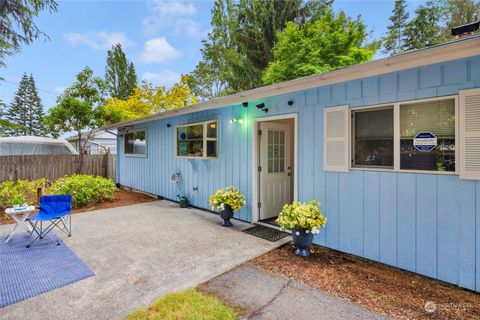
336,139
469,124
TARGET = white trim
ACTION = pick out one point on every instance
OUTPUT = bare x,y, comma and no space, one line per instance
255,164
461,165
397,138
135,155
455,50
204,142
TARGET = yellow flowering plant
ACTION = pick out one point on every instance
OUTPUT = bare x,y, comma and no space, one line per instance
302,216
229,196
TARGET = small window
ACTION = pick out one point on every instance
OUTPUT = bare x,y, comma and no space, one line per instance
276,151
427,135
198,140
135,143
373,138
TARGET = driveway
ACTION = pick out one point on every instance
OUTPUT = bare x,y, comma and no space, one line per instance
139,253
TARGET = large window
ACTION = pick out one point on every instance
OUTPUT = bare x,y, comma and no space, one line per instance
135,143
427,135
197,140
373,138
418,135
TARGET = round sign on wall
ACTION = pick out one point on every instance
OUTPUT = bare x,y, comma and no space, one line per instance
425,141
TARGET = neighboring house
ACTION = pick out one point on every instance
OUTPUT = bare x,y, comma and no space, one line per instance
391,148
100,142
30,145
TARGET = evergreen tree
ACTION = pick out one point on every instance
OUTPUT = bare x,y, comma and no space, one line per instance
394,41
25,113
459,12
424,30
239,47
36,110
120,75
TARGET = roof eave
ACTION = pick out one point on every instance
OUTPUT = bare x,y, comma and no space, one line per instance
454,50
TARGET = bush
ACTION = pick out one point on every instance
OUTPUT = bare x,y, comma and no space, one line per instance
20,191
85,189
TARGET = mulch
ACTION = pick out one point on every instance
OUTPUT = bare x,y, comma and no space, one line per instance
123,197
397,293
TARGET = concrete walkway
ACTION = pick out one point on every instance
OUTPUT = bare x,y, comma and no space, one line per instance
139,253
261,295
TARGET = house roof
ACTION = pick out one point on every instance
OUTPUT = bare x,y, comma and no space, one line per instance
85,134
456,49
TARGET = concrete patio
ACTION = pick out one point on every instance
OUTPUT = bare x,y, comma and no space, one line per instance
139,253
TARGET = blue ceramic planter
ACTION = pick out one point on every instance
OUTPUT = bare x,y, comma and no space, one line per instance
303,241
226,215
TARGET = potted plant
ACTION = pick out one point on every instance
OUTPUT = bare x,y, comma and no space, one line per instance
227,201
17,201
304,220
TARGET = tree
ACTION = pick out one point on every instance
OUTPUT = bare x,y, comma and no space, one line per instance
424,29
459,12
239,47
26,110
78,109
17,26
393,43
120,75
149,99
331,42
4,123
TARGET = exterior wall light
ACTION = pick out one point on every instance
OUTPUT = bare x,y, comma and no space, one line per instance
237,120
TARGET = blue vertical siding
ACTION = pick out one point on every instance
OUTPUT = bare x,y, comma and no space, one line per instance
424,223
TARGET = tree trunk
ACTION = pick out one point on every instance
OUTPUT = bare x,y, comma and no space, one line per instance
80,153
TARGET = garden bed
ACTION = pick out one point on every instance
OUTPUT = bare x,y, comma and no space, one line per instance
122,198
378,287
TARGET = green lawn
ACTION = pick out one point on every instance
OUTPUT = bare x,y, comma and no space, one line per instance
186,305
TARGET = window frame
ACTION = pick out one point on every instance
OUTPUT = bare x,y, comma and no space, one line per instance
397,137
205,139
134,155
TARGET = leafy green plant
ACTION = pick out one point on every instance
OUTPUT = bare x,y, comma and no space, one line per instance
301,216
18,192
85,189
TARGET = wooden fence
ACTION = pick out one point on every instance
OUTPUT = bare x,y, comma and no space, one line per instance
52,167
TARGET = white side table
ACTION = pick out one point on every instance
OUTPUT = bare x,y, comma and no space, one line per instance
19,215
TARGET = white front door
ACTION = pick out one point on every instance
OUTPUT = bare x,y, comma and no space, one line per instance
275,168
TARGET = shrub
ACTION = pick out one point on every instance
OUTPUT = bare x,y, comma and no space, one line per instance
19,191
85,189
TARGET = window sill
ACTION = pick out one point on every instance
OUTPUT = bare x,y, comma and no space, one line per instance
134,155
196,158
443,173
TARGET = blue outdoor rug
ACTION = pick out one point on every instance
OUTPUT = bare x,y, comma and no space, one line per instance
28,272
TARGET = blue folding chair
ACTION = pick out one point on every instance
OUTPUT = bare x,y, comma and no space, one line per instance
55,212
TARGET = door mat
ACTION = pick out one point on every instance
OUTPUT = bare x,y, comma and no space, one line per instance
266,233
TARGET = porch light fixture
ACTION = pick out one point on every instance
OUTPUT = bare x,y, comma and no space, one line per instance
237,120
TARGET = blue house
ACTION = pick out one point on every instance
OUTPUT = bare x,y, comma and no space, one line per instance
391,148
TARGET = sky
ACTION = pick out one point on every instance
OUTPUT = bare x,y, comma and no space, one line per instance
163,39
